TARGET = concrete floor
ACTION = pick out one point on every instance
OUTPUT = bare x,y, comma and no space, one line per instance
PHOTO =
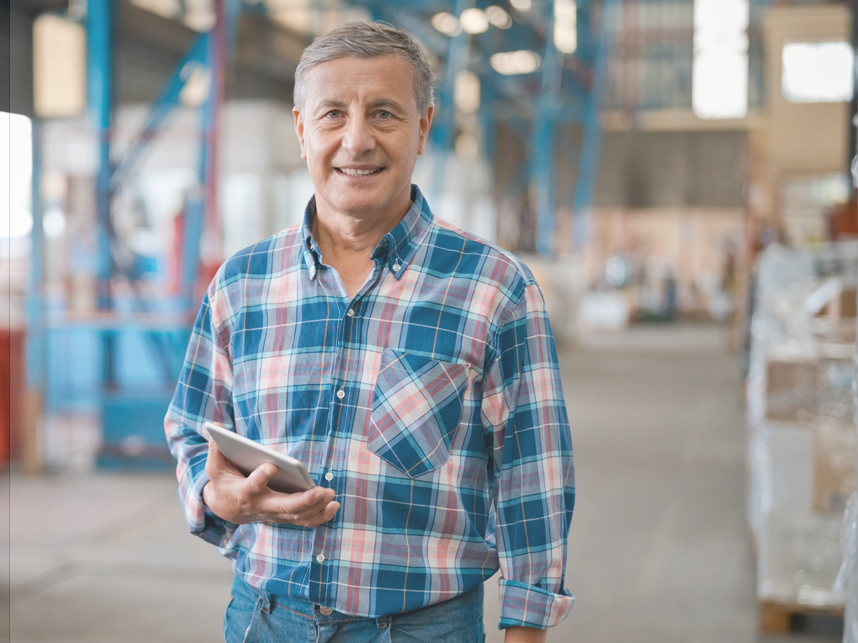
659,550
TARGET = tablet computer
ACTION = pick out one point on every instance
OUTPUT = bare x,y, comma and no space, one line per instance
247,455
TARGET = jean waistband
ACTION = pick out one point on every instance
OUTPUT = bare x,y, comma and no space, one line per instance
322,613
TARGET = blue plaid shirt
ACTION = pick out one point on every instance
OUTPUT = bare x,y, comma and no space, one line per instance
431,403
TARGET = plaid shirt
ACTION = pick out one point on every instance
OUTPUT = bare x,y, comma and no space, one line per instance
431,403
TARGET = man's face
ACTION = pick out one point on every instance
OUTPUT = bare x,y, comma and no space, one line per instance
360,132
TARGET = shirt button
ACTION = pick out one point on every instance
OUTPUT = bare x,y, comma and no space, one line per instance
329,476
396,266
341,394
325,610
350,312
320,558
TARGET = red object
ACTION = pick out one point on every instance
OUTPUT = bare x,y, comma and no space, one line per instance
843,221
11,388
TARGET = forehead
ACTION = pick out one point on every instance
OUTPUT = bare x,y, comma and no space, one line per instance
354,78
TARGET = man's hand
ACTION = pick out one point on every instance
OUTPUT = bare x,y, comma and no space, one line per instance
242,500
524,635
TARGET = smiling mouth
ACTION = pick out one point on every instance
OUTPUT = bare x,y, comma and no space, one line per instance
348,171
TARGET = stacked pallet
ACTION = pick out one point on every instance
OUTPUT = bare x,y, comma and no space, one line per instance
801,419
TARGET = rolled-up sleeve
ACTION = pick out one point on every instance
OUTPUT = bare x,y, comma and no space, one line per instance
203,393
534,479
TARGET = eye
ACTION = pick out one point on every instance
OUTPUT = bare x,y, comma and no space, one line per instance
334,113
384,114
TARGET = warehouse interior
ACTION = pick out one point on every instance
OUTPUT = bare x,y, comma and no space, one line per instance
676,173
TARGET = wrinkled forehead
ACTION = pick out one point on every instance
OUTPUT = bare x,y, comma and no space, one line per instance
352,78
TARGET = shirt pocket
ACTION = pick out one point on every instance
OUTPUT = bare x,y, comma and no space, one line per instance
416,409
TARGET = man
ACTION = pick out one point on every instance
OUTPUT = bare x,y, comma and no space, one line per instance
407,364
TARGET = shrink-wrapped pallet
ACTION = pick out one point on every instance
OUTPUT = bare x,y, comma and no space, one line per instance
801,411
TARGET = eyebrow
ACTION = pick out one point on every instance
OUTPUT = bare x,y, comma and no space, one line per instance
332,102
381,102
385,102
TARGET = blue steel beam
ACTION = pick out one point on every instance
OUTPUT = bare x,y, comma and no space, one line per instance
99,101
99,18
585,185
445,109
202,199
543,164
162,108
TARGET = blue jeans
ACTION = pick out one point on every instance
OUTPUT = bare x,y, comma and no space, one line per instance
253,617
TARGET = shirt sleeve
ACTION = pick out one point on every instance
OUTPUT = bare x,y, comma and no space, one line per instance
203,393
533,472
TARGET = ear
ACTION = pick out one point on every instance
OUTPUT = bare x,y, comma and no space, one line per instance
299,130
424,125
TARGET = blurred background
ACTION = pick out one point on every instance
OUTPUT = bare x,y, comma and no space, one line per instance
675,173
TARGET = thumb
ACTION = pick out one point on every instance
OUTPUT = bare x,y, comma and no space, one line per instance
215,462
258,479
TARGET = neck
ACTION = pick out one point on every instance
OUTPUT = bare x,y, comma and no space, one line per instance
342,236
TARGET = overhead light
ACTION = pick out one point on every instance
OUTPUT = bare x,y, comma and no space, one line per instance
466,94
510,63
566,26
498,17
446,23
521,5
801,81
474,21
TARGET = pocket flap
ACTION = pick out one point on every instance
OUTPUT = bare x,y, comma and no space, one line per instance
416,410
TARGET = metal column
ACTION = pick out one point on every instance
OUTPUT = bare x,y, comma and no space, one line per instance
585,186
99,102
444,123
543,164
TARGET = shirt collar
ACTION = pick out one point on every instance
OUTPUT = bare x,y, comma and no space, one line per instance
396,249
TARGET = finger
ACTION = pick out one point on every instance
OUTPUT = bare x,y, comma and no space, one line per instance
323,516
219,464
293,508
215,462
257,481
331,510
313,510
295,503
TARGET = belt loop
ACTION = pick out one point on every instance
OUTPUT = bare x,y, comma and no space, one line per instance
265,600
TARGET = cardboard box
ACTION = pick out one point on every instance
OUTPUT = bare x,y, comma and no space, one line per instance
835,397
791,388
835,450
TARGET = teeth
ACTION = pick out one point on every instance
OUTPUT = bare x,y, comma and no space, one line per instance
352,172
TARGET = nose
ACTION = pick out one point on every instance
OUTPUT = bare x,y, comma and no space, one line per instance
358,138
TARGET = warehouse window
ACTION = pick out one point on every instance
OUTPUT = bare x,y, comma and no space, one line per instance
16,143
59,67
720,75
817,72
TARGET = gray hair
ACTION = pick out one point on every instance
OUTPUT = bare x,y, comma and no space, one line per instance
364,39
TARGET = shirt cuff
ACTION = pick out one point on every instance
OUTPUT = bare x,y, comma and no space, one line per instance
205,523
531,606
